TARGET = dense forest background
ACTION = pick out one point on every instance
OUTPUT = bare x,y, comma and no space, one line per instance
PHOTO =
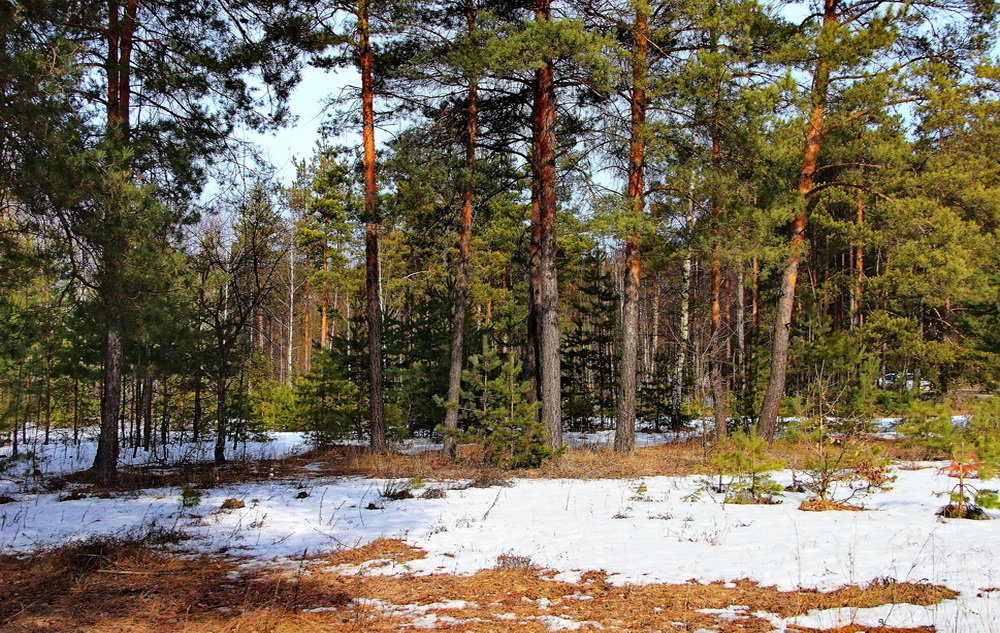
559,215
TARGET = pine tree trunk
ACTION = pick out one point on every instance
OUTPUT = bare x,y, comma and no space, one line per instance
222,423
196,416
136,407
857,267
118,63
165,414
755,302
549,364
625,429
717,348
147,412
464,242
307,328
47,387
767,424
76,410
324,317
106,460
544,283
290,350
376,377
654,339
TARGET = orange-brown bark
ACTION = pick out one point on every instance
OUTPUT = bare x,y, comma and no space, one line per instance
376,379
547,294
767,423
625,428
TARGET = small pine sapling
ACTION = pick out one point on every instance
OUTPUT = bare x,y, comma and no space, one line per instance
190,497
973,450
743,459
967,501
640,493
983,432
975,454
929,426
500,417
836,462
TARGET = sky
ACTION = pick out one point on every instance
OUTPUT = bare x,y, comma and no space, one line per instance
308,106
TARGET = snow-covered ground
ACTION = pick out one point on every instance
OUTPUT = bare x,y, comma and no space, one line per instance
639,531
62,455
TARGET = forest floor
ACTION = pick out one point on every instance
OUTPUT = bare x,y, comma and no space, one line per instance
336,540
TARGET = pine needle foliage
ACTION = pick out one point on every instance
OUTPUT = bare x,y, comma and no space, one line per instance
498,414
838,466
743,459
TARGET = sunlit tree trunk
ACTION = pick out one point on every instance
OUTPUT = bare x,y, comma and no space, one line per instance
376,377
628,371
547,313
680,363
768,422
120,29
290,349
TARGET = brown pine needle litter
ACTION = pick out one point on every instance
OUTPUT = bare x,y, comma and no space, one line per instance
824,505
65,590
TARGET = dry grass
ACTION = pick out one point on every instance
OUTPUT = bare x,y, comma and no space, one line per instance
124,586
824,505
679,458
673,459
380,549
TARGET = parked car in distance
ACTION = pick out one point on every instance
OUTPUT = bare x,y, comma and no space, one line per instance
892,380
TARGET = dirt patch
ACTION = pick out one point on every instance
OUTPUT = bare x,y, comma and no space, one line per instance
100,587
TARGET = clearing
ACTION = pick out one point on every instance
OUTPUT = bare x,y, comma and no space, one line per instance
339,541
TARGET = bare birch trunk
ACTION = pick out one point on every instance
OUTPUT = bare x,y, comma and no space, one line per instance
680,363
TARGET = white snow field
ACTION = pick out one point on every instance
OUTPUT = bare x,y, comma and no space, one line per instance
637,535
61,455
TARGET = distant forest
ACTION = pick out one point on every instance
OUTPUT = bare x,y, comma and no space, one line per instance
558,215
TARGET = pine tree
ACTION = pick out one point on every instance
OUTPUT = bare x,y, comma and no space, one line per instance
234,278
846,46
501,418
157,57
